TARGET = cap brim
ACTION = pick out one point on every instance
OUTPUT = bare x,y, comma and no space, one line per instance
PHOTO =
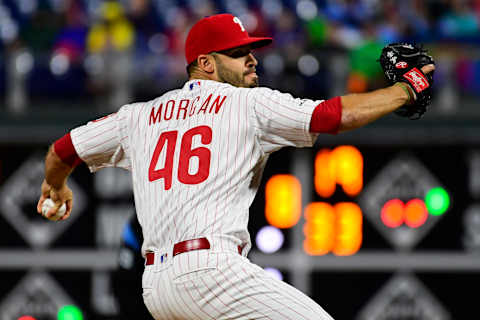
255,42
260,42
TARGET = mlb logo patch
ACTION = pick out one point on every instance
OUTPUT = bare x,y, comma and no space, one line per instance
163,258
194,84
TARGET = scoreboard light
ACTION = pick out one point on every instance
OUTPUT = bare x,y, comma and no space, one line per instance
349,169
319,228
394,213
283,201
69,312
325,177
342,165
437,201
269,239
336,229
415,213
349,229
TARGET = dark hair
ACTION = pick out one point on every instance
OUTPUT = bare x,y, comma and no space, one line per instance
191,67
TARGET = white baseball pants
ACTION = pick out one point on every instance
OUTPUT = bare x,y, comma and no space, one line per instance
219,283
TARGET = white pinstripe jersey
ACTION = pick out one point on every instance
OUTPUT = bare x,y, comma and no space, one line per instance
196,155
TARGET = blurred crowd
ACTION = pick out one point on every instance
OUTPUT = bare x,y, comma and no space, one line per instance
64,49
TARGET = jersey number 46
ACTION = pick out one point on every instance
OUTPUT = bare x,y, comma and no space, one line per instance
169,138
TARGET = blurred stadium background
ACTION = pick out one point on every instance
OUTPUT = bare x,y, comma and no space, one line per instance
390,231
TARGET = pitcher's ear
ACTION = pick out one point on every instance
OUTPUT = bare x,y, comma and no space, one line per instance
206,63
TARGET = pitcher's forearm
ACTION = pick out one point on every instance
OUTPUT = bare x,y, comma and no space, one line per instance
56,171
363,108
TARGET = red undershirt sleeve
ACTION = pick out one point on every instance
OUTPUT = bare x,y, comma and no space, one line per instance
63,147
327,116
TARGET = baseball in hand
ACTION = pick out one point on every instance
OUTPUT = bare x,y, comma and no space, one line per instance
48,204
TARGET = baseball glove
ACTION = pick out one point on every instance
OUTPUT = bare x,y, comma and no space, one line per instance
402,62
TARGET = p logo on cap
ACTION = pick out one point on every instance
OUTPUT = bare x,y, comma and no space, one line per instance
236,20
217,33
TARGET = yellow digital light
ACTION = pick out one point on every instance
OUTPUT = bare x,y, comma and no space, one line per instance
342,165
349,228
325,174
336,229
283,201
319,228
349,169
321,220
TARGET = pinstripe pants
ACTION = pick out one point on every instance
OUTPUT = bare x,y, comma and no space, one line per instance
221,284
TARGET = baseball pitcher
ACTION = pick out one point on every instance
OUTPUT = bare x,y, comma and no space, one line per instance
196,155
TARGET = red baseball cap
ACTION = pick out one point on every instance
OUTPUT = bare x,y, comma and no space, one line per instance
216,33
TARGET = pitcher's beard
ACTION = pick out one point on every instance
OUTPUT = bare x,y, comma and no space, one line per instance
254,83
228,76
